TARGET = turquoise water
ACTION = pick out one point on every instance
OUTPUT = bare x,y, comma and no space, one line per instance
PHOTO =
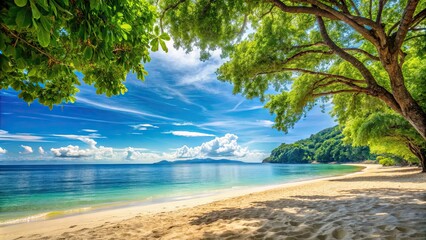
43,191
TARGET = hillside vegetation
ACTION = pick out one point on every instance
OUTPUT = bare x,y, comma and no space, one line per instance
325,146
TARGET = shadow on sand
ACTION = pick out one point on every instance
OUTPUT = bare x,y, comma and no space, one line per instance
369,214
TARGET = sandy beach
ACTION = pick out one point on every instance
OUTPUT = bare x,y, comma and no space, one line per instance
377,203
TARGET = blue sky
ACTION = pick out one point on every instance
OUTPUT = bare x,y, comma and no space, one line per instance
181,111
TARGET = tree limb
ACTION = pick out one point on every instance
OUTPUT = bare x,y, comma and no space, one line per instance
371,56
409,38
346,56
170,7
355,7
14,35
315,95
418,18
405,23
301,70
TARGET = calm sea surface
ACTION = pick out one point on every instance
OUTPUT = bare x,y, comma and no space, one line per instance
43,191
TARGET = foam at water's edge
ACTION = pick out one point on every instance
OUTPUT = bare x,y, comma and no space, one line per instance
46,216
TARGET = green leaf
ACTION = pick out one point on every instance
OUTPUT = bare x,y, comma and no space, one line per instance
21,3
157,30
45,22
163,45
23,18
165,36
126,27
154,45
34,10
94,4
43,4
88,53
43,37
32,72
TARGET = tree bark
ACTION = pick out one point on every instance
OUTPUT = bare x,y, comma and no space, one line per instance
409,108
420,153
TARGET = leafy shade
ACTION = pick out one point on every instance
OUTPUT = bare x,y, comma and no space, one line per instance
325,147
44,42
306,51
368,122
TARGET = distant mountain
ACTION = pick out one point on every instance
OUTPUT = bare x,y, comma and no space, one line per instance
325,146
192,161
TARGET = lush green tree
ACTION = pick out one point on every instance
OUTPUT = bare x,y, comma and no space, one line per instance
369,122
310,50
290,153
44,42
325,146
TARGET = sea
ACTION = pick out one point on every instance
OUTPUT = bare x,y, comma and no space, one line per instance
37,192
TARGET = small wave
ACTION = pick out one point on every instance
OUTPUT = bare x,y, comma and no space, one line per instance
45,216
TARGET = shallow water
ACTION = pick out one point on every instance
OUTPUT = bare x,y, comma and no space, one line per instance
42,191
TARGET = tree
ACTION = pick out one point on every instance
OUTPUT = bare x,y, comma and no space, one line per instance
44,42
317,49
369,122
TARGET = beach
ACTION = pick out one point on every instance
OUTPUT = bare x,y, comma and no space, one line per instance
377,203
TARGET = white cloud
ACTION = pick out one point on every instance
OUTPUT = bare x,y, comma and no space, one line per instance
89,130
92,143
143,126
19,137
27,149
2,150
73,136
183,124
265,123
226,146
77,152
110,107
189,134
41,150
133,154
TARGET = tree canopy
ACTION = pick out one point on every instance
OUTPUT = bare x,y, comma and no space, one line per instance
44,42
368,122
301,52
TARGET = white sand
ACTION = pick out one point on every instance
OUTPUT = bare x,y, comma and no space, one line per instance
378,203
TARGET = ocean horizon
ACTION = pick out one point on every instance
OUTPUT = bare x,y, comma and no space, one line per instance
39,192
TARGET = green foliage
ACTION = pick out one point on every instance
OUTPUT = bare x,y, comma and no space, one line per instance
325,146
368,122
385,161
44,42
287,58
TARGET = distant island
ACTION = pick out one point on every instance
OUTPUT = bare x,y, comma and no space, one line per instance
325,146
193,161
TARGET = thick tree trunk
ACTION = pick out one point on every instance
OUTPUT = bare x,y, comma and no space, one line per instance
409,108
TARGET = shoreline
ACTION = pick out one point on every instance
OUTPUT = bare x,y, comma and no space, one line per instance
236,212
106,207
131,209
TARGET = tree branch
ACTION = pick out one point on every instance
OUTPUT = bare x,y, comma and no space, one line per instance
170,7
16,36
405,23
346,56
371,56
355,7
418,18
409,38
315,95
354,22
380,10
301,70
